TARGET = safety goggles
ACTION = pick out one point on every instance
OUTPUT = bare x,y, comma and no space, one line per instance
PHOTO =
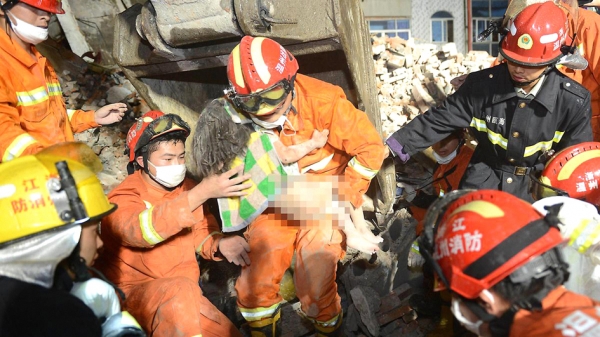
272,96
540,190
159,126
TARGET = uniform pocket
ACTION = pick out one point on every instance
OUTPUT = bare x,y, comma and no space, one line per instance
34,104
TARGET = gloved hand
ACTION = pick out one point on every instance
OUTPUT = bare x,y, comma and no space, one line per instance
397,149
415,259
98,295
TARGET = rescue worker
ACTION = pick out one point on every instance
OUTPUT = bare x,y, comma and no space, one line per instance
585,25
152,240
501,260
266,87
517,110
452,156
51,207
32,111
570,178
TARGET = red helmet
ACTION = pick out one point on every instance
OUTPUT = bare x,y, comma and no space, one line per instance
536,35
574,172
260,71
151,125
485,236
52,6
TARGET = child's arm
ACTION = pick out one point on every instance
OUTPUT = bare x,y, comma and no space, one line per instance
293,153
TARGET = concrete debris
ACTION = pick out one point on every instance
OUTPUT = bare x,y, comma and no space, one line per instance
417,77
90,91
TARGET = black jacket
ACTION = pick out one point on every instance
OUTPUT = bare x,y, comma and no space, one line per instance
511,131
29,310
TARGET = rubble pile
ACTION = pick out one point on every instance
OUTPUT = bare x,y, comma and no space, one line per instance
412,78
91,90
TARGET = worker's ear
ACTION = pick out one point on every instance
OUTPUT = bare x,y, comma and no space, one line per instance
493,303
140,161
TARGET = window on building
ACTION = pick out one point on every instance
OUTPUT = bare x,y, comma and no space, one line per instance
390,27
442,27
483,12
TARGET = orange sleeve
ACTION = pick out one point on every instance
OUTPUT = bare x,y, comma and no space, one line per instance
352,132
82,120
207,236
138,224
14,141
588,34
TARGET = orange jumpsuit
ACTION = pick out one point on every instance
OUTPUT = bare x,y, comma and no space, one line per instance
151,243
588,29
446,178
32,110
564,313
355,150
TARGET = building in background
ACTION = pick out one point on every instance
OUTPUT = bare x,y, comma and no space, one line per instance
437,21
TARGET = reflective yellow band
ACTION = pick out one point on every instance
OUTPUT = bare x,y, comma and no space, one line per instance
497,139
544,145
33,97
257,314
363,170
584,236
17,146
54,89
199,249
70,113
148,232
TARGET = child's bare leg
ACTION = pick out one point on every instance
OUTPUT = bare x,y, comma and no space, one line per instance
361,225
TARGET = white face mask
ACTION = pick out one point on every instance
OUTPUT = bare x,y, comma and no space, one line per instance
270,125
28,32
471,326
169,176
445,160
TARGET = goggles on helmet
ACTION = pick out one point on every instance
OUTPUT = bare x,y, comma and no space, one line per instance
159,126
540,190
273,96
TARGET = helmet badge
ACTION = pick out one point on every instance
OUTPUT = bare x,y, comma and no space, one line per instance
525,41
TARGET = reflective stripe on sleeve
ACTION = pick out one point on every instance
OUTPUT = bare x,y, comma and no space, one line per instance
148,231
17,146
54,89
259,313
363,170
70,113
199,249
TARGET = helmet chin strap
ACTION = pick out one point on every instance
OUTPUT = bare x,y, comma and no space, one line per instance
524,84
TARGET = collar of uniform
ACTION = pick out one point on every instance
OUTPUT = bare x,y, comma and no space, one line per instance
546,95
504,91
13,49
534,91
548,92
